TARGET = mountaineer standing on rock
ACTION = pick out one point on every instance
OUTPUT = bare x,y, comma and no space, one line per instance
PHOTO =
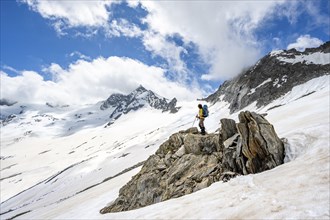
202,114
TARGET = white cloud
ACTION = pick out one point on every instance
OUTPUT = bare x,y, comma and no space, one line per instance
5,67
79,55
122,27
319,18
310,10
222,30
305,41
29,86
79,13
291,10
91,81
67,14
158,45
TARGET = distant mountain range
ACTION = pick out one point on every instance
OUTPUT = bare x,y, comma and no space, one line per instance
122,104
105,112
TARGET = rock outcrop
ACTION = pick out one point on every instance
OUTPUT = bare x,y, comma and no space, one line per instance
188,161
255,148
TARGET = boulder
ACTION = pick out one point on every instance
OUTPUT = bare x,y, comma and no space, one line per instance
201,144
254,149
192,130
228,128
171,146
261,146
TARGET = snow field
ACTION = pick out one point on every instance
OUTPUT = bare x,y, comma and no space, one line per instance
298,189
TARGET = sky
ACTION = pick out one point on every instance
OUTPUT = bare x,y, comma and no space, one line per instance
79,52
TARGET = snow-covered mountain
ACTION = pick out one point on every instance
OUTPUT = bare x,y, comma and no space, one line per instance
32,119
48,174
273,76
122,104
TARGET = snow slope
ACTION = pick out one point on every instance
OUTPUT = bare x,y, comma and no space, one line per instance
73,177
314,58
308,58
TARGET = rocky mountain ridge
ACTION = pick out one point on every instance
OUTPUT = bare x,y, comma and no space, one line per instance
188,161
6,102
273,76
122,104
74,118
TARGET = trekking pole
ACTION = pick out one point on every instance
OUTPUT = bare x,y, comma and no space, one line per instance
194,122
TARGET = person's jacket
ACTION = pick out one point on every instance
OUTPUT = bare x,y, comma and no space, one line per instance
200,113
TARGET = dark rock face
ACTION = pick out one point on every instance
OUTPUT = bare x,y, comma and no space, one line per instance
272,77
171,106
255,148
228,128
7,102
6,120
122,104
6,117
188,161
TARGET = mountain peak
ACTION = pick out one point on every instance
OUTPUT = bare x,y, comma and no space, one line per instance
273,76
140,97
290,53
141,89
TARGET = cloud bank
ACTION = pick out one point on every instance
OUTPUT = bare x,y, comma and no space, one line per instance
223,31
87,82
305,41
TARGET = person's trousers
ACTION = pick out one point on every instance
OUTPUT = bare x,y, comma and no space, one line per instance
201,125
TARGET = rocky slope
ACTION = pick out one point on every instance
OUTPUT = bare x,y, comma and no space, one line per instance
273,76
188,161
122,104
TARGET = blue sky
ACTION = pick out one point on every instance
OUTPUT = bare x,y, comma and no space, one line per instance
176,48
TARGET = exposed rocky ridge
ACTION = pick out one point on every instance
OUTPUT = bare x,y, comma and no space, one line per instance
7,102
272,77
188,161
123,104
